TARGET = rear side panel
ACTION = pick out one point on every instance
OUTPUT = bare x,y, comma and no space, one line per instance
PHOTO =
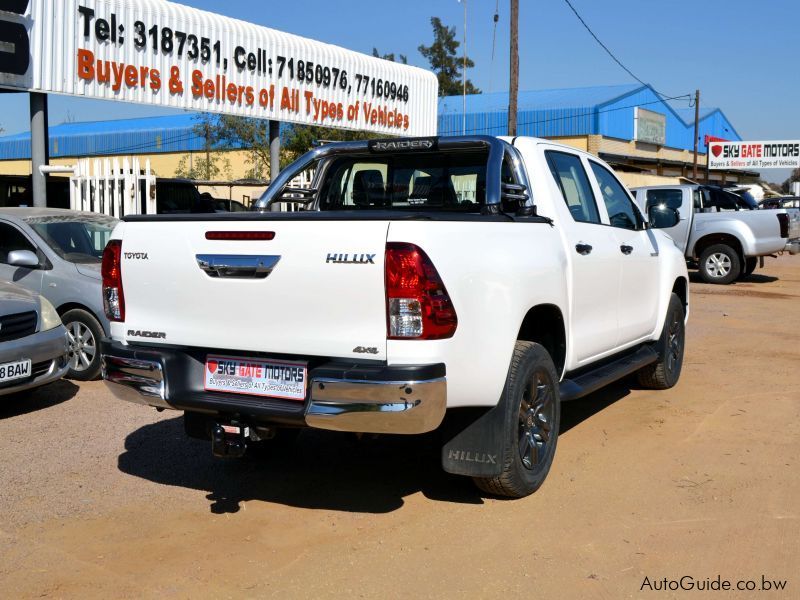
324,297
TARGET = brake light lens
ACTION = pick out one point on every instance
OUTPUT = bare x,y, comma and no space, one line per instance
113,297
417,303
783,219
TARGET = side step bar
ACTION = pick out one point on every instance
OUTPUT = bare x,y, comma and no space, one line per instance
591,381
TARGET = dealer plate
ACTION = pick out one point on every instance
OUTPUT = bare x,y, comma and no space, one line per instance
15,370
256,377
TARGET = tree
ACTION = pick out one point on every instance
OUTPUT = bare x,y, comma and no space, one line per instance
786,188
213,168
403,57
299,139
445,62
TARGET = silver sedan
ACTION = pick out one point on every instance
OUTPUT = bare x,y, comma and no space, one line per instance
33,342
58,253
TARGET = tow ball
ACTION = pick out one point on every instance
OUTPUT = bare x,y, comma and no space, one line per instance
229,440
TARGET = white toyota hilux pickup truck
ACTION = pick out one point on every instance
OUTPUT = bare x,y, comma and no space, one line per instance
422,275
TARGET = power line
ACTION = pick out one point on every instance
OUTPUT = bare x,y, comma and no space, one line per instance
576,116
603,46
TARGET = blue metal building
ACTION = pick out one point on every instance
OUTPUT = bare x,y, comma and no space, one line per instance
608,111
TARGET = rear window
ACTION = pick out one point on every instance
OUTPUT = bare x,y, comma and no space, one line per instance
431,181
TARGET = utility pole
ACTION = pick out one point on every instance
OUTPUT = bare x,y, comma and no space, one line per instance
40,147
208,150
513,87
696,131
464,75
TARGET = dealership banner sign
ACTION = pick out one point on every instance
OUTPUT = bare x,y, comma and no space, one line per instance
754,155
164,54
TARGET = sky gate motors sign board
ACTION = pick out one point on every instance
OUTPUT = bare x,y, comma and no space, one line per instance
160,53
754,155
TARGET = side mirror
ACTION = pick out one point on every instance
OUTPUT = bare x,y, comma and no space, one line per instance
23,258
663,217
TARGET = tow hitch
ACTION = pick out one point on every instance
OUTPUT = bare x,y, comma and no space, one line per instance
229,440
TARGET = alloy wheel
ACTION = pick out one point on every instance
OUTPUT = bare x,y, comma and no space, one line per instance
82,346
718,265
536,416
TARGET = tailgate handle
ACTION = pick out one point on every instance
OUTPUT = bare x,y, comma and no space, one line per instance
237,265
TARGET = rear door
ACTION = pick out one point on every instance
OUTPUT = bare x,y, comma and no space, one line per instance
315,289
637,252
594,254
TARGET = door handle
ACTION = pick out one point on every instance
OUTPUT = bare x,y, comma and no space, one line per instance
626,249
237,266
583,249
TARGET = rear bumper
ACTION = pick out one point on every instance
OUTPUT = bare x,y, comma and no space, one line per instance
368,398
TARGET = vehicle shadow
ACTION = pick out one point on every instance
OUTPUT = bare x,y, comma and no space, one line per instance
40,398
575,412
694,277
322,470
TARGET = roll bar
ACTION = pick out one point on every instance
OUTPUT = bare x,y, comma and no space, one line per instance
499,150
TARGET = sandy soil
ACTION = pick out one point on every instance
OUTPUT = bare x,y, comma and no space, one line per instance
99,498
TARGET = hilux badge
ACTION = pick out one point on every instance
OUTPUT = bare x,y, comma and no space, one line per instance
350,259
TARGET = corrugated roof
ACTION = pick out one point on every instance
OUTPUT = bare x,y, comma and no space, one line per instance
171,133
687,114
565,98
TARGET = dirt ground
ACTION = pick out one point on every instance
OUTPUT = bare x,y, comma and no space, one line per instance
99,498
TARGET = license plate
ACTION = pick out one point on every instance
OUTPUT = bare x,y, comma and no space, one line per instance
256,377
15,370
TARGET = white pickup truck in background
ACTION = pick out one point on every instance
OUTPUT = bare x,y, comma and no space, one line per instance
719,233
423,275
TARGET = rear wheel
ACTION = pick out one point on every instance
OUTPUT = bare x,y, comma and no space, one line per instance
665,372
532,416
719,264
84,333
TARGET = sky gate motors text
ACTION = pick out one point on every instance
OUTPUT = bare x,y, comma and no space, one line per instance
761,150
274,372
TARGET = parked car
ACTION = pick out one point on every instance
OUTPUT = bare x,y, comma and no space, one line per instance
718,232
57,253
782,202
426,275
33,342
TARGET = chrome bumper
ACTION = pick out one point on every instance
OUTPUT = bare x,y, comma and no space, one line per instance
792,247
377,407
134,380
362,399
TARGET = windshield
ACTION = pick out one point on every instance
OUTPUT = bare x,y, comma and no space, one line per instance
432,181
77,239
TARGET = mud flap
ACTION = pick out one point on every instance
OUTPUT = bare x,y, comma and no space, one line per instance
478,450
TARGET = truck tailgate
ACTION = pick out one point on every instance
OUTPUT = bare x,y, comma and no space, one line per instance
324,296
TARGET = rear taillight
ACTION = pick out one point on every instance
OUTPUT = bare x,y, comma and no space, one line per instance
113,297
417,303
783,219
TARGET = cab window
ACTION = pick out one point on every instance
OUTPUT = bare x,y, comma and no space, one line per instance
570,176
621,211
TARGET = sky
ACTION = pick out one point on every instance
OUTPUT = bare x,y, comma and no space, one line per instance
742,55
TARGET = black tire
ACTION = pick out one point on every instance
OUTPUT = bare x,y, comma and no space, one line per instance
85,334
719,264
532,416
750,264
665,372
